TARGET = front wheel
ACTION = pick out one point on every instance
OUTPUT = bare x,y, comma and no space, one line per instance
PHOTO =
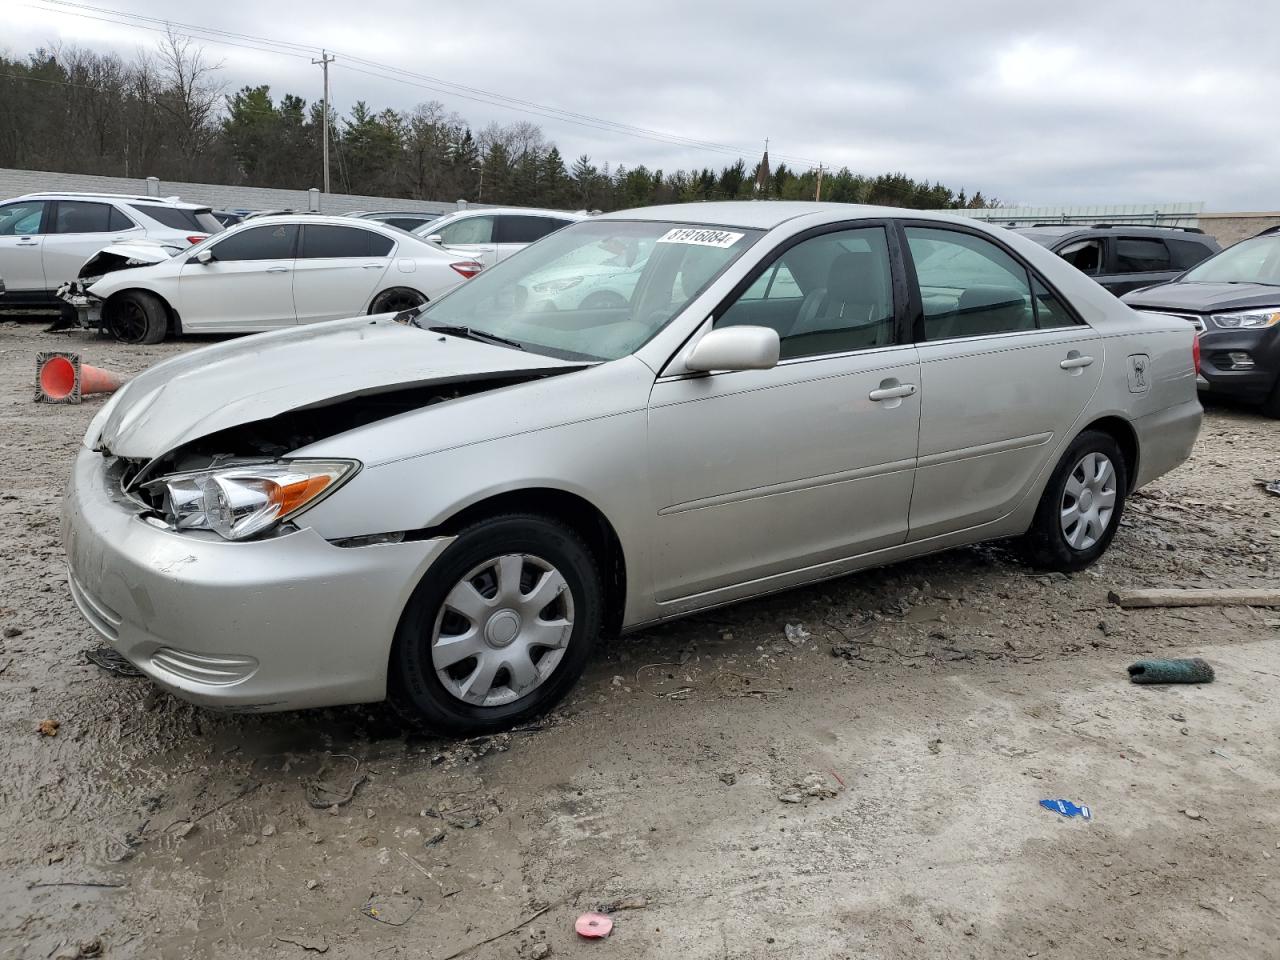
1081,507
499,629
136,316
1271,405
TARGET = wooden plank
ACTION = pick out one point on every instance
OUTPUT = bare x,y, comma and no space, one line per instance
1208,597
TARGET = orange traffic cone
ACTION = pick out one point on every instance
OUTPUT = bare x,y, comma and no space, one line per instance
62,378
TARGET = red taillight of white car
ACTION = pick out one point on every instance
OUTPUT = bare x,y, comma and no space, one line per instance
1195,353
196,238
468,268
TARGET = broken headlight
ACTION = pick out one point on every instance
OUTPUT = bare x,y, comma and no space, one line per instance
242,500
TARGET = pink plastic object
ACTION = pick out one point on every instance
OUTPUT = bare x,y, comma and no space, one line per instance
593,926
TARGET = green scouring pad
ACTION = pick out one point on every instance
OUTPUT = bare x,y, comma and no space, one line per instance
1193,670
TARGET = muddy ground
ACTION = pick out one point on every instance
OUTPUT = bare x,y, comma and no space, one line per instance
973,689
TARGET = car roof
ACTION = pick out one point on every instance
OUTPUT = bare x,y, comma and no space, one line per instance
519,211
134,198
767,214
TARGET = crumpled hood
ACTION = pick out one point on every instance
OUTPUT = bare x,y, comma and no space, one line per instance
1204,297
258,377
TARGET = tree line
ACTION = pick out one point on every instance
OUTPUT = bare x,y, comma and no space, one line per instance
165,114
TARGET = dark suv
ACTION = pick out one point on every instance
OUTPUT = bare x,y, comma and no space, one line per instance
1234,300
1125,258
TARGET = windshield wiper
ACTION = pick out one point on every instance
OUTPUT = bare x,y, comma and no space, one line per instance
482,336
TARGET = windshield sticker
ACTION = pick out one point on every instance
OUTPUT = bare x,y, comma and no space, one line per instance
701,237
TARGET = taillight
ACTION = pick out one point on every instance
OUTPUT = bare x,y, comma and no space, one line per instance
1195,353
196,238
468,268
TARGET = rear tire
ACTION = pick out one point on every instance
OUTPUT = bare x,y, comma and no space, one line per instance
395,300
477,648
136,316
1081,507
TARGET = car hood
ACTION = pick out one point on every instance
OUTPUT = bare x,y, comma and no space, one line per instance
259,377
1203,297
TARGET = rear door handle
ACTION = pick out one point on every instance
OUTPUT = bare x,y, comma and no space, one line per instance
24,242
1075,363
277,269
892,393
373,266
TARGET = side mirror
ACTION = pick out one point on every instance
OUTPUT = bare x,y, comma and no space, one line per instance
204,256
434,238
735,348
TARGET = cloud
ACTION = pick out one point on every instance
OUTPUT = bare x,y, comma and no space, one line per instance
1037,103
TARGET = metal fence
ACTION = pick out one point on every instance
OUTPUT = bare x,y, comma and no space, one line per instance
1155,214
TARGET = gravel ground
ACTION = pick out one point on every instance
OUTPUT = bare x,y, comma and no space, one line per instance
725,792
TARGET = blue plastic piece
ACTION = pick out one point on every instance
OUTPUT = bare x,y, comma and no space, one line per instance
1067,808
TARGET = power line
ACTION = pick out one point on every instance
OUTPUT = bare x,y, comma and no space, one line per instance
399,75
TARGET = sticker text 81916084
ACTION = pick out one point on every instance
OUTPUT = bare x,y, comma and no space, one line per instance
701,236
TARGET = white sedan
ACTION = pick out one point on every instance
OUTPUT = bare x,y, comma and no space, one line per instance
268,273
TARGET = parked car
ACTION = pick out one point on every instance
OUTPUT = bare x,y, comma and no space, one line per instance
1123,258
450,512
266,273
409,220
1233,299
229,218
492,234
45,238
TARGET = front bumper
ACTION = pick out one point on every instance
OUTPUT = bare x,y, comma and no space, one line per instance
276,624
1221,379
88,308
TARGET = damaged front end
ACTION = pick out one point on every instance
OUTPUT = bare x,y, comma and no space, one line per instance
119,256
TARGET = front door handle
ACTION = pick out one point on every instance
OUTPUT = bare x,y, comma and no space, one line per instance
277,269
373,266
26,242
886,392
1075,361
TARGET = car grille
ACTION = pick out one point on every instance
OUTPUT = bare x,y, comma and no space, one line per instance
1194,319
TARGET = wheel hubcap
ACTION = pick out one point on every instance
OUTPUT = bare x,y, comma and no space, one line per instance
1089,500
502,630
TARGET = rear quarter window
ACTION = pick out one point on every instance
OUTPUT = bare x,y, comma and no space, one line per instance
1187,253
180,218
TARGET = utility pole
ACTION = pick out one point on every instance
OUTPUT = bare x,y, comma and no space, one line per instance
817,195
324,61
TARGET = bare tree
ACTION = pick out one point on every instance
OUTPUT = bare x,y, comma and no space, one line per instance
189,94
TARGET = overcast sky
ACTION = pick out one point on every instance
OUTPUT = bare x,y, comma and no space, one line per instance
1033,103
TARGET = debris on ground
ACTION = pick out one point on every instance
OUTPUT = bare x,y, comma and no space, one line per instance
112,661
11,632
323,796
435,836
1197,597
1185,670
48,728
393,909
309,944
593,926
1271,486
1192,813
1068,809
633,902
796,633
812,786
729,778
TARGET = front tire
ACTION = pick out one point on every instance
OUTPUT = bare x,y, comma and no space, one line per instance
136,316
1081,507
1271,405
499,629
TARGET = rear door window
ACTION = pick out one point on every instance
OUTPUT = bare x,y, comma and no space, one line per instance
80,216
1141,255
322,241
513,229
268,242
969,287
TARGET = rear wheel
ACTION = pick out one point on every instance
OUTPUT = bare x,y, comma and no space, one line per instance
499,629
396,299
136,316
1081,507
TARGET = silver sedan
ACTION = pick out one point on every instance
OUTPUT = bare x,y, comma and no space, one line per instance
448,507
